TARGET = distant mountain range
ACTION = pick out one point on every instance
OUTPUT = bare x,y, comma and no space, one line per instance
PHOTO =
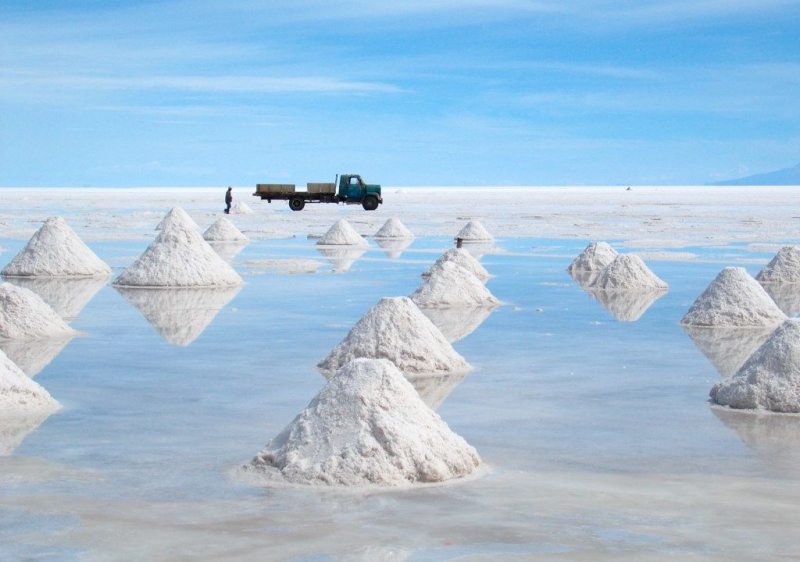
787,176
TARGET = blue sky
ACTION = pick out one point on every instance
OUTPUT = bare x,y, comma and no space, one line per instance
427,92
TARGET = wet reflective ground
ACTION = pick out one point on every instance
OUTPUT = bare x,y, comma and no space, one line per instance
598,440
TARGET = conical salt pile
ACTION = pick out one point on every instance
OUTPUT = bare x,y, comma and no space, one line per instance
394,229
734,299
179,257
783,268
20,395
366,427
223,230
452,285
342,234
177,215
627,272
594,257
770,378
240,208
56,251
474,231
463,258
23,314
395,329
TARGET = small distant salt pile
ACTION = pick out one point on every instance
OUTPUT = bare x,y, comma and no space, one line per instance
342,234
240,208
463,258
629,305
627,272
594,257
734,299
19,395
224,230
366,427
395,329
394,229
56,251
177,216
23,314
783,268
770,378
179,257
449,285
474,231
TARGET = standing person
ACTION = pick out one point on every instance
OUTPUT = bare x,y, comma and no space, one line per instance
228,200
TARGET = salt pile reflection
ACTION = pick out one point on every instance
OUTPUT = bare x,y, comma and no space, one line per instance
726,347
33,355
228,250
627,305
14,429
458,322
786,296
394,247
67,296
342,259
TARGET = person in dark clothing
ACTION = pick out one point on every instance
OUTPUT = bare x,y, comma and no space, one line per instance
228,200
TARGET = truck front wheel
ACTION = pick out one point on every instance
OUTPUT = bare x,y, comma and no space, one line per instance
370,203
297,203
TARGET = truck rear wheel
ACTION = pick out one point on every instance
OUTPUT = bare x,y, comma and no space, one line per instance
297,203
370,203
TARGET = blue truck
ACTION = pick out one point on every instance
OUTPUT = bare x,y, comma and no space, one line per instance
351,191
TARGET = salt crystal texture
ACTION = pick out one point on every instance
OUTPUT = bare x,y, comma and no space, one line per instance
56,251
451,285
474,231
594,257
783,268
627,272
177,216
366,427
463,258
240,208
19,395
223,230
179,257
734,299
342,234
393,228
395,329
770,378
23,314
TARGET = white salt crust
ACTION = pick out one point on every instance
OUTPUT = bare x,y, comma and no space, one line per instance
20,395
450,285
463,258
366,427
395,329
56,251
783,268
734,299
627,272
474,231
770,378
394,229
594,257
240,208
23,314
223,230
342,234
177,216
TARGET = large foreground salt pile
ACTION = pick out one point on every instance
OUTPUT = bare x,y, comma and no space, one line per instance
342,234
394,229
734,299
224,230
56,251
179,257
19,395
463,258
783,268
594,257
366,427
474,231
770,378
395,329
177,216
452,285
627,272
23,314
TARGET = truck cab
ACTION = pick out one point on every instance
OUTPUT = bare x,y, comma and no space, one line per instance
352,189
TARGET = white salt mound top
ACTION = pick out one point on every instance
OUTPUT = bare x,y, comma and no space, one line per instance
474,230
23,314
395,329
342,233
463,258
449,285
594,257
179,257
366,427
177,216
393,228
20,395
783,268
240,208
56,251
770,378
627,272
223,230
734,299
